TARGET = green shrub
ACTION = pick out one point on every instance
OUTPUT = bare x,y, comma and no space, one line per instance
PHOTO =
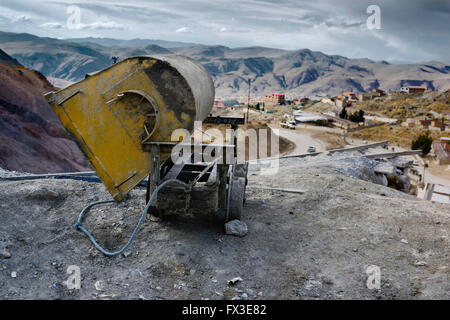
357,116
343,114
423,142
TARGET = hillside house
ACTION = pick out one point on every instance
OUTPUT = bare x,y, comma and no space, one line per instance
375,93
340,103
413,89
409,123
350,96
437,125
379,92
425,123
275,98
441,149
219,104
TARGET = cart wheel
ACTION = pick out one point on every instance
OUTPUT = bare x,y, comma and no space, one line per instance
237,198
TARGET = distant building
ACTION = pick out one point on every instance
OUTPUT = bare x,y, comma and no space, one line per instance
342,103
380,92
365,96
441,149
375,93
409,123
275,99
437,125
350,96
219,104
413,89
345,99
425,122
304,117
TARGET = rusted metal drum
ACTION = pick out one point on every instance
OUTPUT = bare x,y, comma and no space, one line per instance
140,99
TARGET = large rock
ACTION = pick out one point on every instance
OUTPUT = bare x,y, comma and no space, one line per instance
402,163
381,179
43,193
386,168
236,228
404,183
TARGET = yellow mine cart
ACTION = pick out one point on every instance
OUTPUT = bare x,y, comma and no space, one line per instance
123,117
111,113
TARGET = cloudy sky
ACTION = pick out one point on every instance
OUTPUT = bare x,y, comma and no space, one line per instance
410,30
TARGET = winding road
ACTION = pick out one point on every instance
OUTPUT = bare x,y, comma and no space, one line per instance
302,140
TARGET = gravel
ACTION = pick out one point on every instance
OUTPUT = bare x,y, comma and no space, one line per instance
342,224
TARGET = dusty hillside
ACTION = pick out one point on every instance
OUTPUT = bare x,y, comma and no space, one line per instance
31,136
401,106
315,245
5,59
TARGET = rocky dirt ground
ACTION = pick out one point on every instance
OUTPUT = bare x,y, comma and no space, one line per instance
315,245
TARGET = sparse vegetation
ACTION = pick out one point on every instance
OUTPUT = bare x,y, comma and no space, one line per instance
357,116
343,114
402,106
423,142
395,134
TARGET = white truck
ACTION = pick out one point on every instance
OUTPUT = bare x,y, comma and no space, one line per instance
288,125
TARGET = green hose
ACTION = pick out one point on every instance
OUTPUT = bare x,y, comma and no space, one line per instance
80,227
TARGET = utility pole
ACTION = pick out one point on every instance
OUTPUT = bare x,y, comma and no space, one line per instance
248,100
425,164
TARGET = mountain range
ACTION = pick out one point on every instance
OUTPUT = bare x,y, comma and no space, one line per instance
297,73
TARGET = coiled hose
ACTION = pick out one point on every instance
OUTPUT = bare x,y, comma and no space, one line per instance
80,227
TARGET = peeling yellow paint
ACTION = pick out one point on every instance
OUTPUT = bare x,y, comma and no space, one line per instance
108,115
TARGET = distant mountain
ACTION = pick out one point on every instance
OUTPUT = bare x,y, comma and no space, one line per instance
298,73
32,139
67,60
305,72
133,43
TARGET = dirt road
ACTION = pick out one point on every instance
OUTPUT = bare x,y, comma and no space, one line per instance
302,140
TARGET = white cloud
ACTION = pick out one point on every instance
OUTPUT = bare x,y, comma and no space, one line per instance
52,25
102,25
86,26
325,25
183,30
